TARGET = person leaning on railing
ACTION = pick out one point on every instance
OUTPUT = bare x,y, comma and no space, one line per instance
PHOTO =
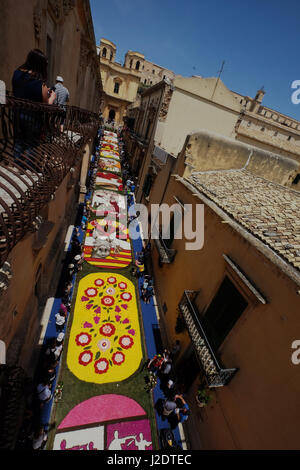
29,82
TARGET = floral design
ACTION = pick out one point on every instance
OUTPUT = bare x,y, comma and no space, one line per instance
118,358
104,344
83,339
91,292
126,342
126,296
110,291
122,285
105,339
85,358
107,300
101,366
107,330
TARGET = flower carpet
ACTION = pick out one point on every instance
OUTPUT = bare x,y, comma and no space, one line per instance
106,202
109,181
109,153
107,244
105,339
109,164
105,422
105,346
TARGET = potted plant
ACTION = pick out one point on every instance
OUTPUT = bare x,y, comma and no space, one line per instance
203,397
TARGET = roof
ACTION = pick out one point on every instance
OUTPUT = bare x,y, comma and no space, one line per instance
267,210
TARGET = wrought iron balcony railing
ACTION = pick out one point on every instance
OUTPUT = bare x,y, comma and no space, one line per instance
215,374
166,254
35,156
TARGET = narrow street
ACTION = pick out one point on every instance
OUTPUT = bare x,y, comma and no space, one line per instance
100,399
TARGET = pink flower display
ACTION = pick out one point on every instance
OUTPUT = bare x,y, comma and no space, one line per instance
103,344
111,280
99,282
110,291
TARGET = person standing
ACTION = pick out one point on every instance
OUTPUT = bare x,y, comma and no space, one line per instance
29,82
62,97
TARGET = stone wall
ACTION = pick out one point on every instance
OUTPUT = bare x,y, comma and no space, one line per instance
206,151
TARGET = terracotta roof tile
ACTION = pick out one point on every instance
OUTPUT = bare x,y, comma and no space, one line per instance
269,211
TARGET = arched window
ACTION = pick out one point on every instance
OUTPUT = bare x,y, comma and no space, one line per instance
130,65
137,65
145,81
104,52
111,56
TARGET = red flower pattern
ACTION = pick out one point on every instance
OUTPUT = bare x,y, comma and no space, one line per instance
107,330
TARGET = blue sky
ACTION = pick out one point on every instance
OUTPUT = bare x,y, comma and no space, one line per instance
258,39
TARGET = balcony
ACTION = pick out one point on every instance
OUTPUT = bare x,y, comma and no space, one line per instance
166,254
35,157
216,375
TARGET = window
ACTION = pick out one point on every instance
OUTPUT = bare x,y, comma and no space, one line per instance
150,82
38,283
117,87
296,179
223,312
289,137
153,71
148,128
104,52
111,56
164,77
137,65
130,65
145,81
147,185
263,129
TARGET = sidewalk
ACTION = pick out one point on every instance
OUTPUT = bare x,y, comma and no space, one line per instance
154,344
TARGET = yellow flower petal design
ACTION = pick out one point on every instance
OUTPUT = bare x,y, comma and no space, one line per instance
105,339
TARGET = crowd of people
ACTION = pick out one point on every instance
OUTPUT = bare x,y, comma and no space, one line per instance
174,407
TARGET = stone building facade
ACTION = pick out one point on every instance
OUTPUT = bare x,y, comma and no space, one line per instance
158,127
237,294
123,82
63,30
120,84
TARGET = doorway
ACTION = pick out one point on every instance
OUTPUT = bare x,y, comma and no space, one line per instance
112,115
187,369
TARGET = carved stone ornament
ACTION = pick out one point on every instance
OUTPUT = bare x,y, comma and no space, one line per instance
68,5
37,22
55,6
